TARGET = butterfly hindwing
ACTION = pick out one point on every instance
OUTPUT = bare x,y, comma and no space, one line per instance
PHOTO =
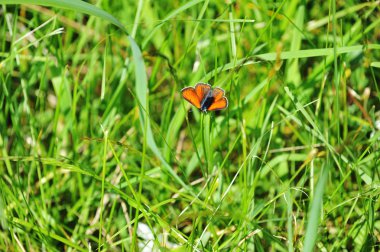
218,104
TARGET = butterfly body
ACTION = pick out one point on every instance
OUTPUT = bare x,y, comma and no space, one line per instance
207,101
205,98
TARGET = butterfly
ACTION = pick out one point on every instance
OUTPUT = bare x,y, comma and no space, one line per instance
205,98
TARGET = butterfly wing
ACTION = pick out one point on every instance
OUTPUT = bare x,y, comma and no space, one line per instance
217,93
202,89
190,95
218,104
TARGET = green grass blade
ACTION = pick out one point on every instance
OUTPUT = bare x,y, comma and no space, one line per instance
74,5
375,64
168,17
141,86
317,52
293,72
315,212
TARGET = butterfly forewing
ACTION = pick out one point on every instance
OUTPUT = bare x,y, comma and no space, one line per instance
217,93
190,95
218,104
202,89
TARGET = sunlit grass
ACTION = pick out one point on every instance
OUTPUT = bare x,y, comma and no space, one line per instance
99,151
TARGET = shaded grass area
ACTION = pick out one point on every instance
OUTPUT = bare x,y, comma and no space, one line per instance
99,151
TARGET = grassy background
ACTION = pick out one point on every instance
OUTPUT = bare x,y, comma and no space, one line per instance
99,151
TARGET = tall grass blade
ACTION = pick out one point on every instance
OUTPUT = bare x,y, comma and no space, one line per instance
315,212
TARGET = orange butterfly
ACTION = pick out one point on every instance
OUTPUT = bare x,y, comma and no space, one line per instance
205,98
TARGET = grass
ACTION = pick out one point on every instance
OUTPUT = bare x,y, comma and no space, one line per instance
99,152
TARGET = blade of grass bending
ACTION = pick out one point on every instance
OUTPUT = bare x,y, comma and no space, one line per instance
286,55
74,5
141,86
